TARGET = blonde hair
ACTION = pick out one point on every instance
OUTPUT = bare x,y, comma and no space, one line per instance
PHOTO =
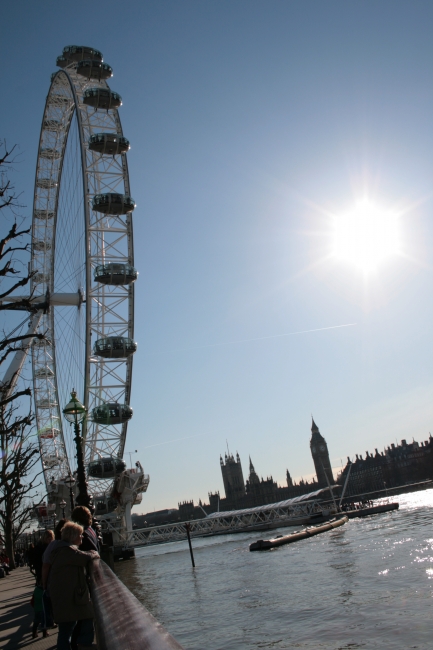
70,532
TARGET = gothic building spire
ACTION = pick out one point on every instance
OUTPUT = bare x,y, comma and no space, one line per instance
314,427
320,454
253,479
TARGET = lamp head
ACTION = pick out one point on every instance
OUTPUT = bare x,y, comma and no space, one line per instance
74,411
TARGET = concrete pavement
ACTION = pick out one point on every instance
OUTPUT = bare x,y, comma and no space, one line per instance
16,613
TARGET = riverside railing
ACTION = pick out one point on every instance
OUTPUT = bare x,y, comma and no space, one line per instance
121,620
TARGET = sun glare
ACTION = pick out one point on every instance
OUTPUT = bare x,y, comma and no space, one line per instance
367,236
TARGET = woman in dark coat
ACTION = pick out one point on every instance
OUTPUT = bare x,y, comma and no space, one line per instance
90,542
69,592
40,549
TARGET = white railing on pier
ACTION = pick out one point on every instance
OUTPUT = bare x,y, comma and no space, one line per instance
228,522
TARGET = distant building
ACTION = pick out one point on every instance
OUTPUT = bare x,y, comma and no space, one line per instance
233,477
186,510
396,466
155,518
214,501
260,491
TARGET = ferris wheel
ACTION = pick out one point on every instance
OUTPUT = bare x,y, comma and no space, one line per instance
83,263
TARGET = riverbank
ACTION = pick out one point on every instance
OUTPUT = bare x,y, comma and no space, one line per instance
16,613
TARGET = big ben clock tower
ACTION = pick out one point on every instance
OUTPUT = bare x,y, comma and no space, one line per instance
320,454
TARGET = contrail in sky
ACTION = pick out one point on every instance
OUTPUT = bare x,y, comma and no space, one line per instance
261,338
276,336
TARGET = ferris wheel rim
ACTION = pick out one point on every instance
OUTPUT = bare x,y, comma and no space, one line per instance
49,251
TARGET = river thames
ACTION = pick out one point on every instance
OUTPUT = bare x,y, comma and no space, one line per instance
368,584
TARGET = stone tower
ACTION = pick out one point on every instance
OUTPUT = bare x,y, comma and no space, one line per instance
320,454
233,478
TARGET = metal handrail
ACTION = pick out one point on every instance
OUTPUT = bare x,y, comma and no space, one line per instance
122,622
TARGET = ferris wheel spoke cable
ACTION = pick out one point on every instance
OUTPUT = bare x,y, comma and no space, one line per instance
69,258
74,268
18,327
73,375
73,278
70,208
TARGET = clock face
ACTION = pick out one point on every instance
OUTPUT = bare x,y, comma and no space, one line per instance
322,448
313,449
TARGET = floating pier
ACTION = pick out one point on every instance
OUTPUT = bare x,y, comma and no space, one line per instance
266,544
372,510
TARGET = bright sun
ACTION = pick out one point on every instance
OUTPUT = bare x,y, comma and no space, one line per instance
366,236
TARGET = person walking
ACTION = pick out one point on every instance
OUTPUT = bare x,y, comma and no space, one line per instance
46,568
31,558
39,618
39,551
69,591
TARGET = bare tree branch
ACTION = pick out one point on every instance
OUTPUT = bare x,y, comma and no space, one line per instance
21,393
19,447
14,339
7,154
19,457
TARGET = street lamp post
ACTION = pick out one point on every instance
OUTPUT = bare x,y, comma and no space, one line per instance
62,504
75,413
70,482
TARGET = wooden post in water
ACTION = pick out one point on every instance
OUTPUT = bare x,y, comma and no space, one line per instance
187,527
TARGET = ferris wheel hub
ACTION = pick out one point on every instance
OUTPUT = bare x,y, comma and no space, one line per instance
52,300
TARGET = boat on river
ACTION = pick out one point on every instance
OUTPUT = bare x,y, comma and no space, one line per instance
281,540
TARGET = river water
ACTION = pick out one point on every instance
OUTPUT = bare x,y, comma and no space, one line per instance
368,584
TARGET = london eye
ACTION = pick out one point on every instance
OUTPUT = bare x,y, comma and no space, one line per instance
82,259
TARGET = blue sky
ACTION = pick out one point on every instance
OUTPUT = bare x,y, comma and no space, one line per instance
251,123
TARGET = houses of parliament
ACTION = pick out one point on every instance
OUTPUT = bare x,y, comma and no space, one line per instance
257,491
396,467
